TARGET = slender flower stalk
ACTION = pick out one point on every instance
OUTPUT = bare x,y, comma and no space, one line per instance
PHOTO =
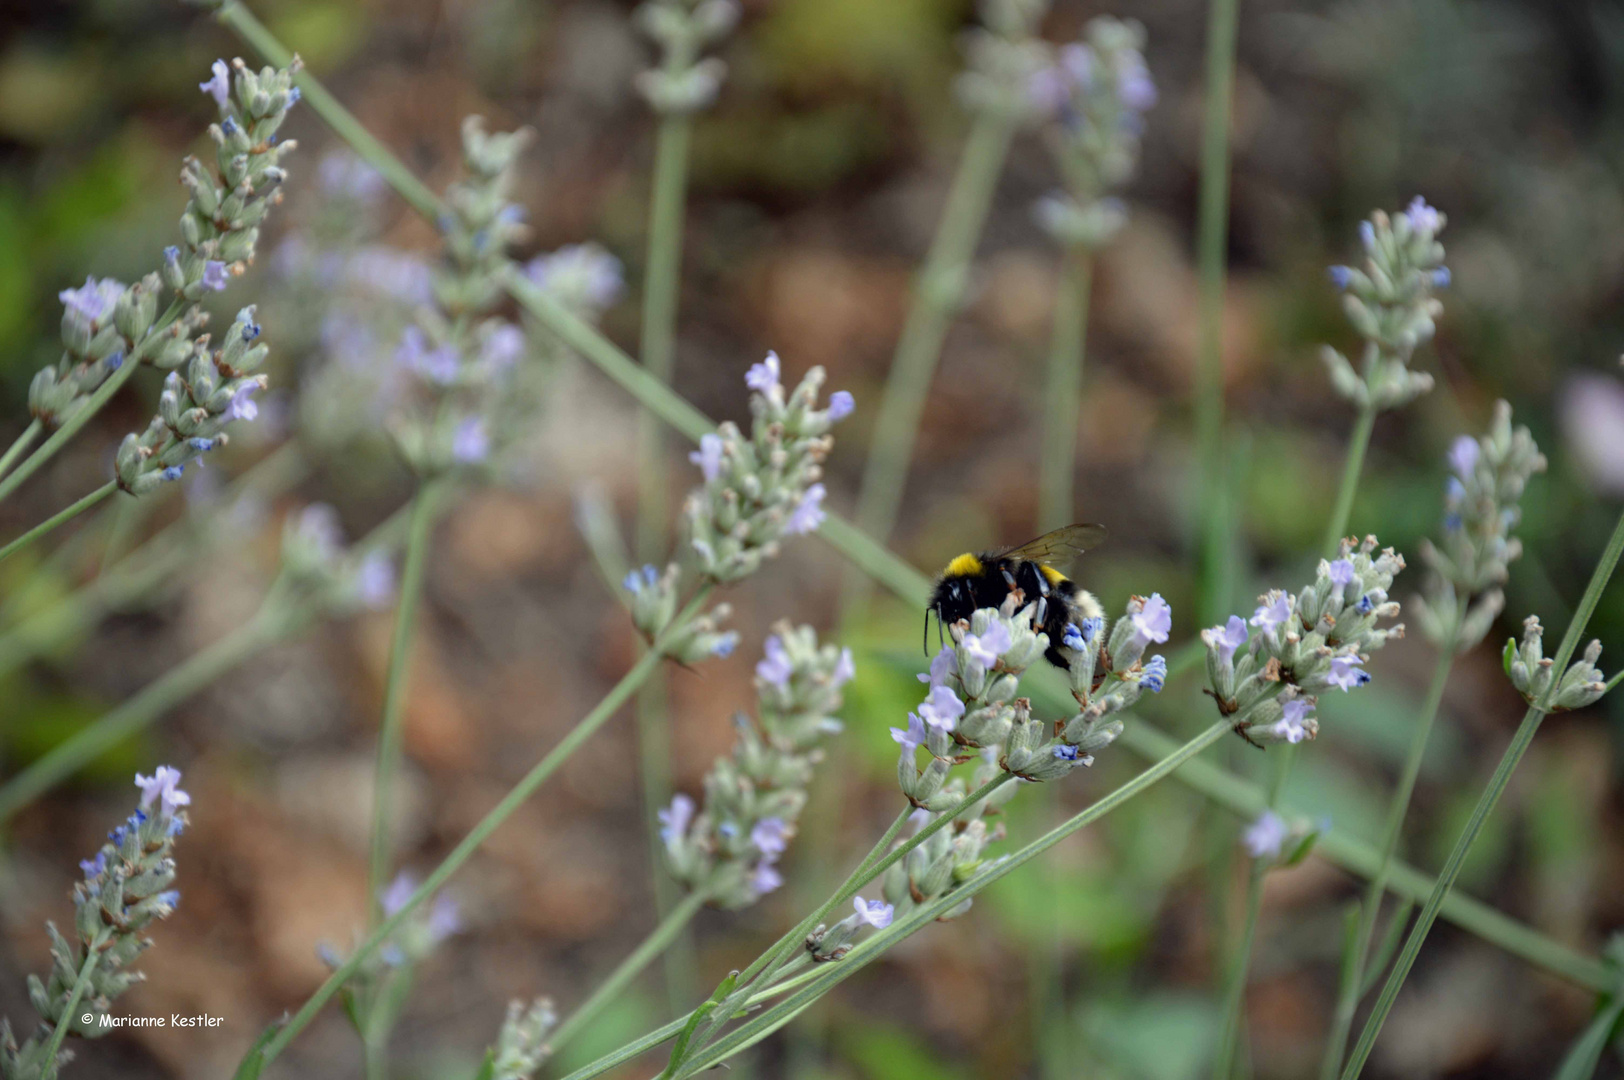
1548,696
61,517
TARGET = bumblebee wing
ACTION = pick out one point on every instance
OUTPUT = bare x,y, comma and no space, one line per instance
1061,544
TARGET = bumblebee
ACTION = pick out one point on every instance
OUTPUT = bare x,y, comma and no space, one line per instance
984,579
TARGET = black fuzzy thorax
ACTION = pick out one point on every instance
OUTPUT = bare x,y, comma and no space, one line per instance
956,596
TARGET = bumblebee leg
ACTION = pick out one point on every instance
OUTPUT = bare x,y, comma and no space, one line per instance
1042,614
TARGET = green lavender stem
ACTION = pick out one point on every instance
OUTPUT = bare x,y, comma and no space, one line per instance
661,287
148,705
390,734
92,405
93,951
638,1047
1234,1009
1057,469
937,295
21,445
905,581
1354,973
1213,229
659,939
1485,806
58,518
1358,443
516,797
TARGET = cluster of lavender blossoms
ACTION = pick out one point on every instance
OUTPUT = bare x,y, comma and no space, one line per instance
463,362
212,389
1302,645
729,848
1481,509
1389,301
761,489
971,705
1094,96
1532,672
684,81
127,885
1004,55
106,323
521,1046
971,713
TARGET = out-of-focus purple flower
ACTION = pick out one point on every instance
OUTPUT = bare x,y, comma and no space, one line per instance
219,85
400,890
471,443
173,473
1463,455
437,365
1266,836
319,525
346,175
1592,411
585,273
1341,572
1346,673
1423,218
375,581
877,913
94,300
215,276
841,404
93,868
911,736
808,513
1441,278
776,667
1138,90
1367,235
503,347
770,836
764,878
242,405
941,708
1153,621
390,272
985,649
845,670
1077,61
1067,752
162,785
709,456
763,377
674,819
444,919
1341,276
1048,89
725,644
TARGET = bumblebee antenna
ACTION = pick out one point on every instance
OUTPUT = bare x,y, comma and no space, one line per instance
924,634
